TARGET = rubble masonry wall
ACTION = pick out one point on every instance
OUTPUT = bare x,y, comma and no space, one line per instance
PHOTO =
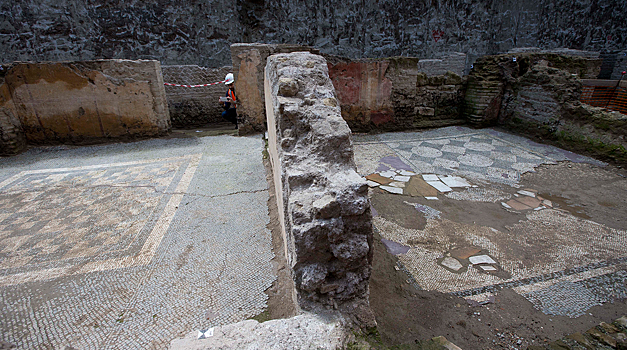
399,93
389,94
192,32
538,95
323,202
193,107
85,102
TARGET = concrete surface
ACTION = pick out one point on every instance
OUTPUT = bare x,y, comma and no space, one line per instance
563,247
128,246
306,331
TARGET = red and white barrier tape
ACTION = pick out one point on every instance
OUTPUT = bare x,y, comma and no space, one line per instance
193,86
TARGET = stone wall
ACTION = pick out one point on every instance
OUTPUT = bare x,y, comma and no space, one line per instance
86,102
12,138
249,61
620,65
492,75
455,62
538,95
399,93
323,202
199,33
198,106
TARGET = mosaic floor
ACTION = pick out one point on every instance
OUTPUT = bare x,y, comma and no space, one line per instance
97,252
561,263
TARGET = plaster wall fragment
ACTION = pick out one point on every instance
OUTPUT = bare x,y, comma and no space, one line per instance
89,101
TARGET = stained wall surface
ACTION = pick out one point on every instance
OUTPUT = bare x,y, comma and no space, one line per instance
191,32
398,93
12,138
249,61
86,102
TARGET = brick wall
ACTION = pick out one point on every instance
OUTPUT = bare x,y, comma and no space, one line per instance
538,95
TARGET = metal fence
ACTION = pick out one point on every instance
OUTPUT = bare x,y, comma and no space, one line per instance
610,97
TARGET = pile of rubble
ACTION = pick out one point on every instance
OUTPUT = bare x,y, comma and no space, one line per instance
603,336
527,199
416,185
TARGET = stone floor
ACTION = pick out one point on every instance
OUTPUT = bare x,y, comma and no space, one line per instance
562,263
127,246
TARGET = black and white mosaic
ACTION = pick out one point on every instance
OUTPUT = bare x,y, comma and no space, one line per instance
128,246
577,264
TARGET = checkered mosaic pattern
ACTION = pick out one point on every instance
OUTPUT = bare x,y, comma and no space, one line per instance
477,156
172,233
554,251
62,218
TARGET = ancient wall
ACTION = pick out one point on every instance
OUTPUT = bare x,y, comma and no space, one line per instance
538,95
323,202
87,102
198,106
199,33
12,138
249,61
398,93
492,75
620,66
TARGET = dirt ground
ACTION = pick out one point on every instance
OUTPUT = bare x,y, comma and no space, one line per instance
281,300
406,315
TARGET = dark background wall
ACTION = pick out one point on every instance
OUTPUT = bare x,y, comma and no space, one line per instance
200,32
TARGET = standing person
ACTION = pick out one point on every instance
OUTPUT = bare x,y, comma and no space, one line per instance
230,102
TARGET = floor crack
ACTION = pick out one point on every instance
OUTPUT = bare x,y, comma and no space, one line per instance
154,188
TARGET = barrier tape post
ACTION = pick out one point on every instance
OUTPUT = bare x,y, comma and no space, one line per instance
193,86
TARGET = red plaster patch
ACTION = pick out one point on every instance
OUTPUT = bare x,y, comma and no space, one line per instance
381,117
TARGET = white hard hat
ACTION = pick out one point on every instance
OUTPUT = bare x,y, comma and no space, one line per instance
229,79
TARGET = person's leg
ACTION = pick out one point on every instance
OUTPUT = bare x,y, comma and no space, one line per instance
230,115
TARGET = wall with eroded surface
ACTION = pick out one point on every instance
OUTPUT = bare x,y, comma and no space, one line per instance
199,33
85,102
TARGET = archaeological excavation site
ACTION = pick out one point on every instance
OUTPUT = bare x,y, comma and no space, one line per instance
257,174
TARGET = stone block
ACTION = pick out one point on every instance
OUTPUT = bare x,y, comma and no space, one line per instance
12,138
437,80
422,79
249,61
88,102
323,202
307,331
428,111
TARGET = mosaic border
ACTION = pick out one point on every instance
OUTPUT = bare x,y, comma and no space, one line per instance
148,250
